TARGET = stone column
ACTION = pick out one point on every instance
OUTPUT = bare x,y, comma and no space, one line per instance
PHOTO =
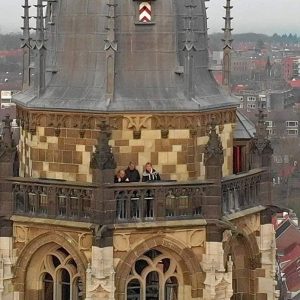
7,260
7,150
7,159
102,162
212,202
261,157
100,279
103,167
218,281
266,284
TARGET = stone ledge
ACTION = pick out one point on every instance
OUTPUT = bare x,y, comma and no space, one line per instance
46,221
244,212
158,224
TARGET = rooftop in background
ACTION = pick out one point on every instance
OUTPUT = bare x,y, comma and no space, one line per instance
295,83
288,244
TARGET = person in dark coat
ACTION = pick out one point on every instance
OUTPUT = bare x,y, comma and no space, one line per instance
132,173
121,177
150,174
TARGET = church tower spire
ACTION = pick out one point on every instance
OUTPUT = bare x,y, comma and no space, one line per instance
26,44
227,45
40,49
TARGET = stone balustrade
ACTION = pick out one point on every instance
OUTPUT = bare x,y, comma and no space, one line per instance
159,200
53,199
242,191
135,202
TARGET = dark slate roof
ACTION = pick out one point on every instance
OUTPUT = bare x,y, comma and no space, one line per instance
245,128
147,60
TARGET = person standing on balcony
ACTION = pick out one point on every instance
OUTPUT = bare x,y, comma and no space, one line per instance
150,174
132,173
121,177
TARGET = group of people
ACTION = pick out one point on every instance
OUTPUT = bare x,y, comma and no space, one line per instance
131,174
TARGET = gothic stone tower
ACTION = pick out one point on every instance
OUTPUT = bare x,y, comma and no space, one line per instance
112,81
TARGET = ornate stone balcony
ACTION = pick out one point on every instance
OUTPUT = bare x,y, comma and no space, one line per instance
53,199
159,201
136,202
242,191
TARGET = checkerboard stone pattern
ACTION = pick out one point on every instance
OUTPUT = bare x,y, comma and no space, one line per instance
67,156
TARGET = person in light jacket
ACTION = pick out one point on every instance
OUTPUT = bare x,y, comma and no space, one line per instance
150,174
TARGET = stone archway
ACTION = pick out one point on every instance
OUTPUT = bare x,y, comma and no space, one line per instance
245,255
28,268
191,271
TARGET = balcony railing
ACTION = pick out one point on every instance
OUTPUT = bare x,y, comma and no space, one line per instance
241,191
159,201
52,199
135,202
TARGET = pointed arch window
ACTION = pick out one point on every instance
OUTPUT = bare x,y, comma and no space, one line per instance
48,287
64,285
60,279
152,286
154,276
134,290
171,288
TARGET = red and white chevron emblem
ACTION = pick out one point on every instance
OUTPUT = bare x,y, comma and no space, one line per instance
145,12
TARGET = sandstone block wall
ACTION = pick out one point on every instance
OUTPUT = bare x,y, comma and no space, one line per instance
175,149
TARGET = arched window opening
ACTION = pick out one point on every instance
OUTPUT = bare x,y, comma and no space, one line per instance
60,278
171,289
78,289
72,262
55,261
152,286
152,253
163,265
65,285
140,265
48,287
154,276
63,250
134,290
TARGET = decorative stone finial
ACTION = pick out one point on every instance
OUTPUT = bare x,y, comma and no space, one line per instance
26,27
213,153
260,147
213,149
40,29
6,142
103,158
40,50
227,48
228,29
7,133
